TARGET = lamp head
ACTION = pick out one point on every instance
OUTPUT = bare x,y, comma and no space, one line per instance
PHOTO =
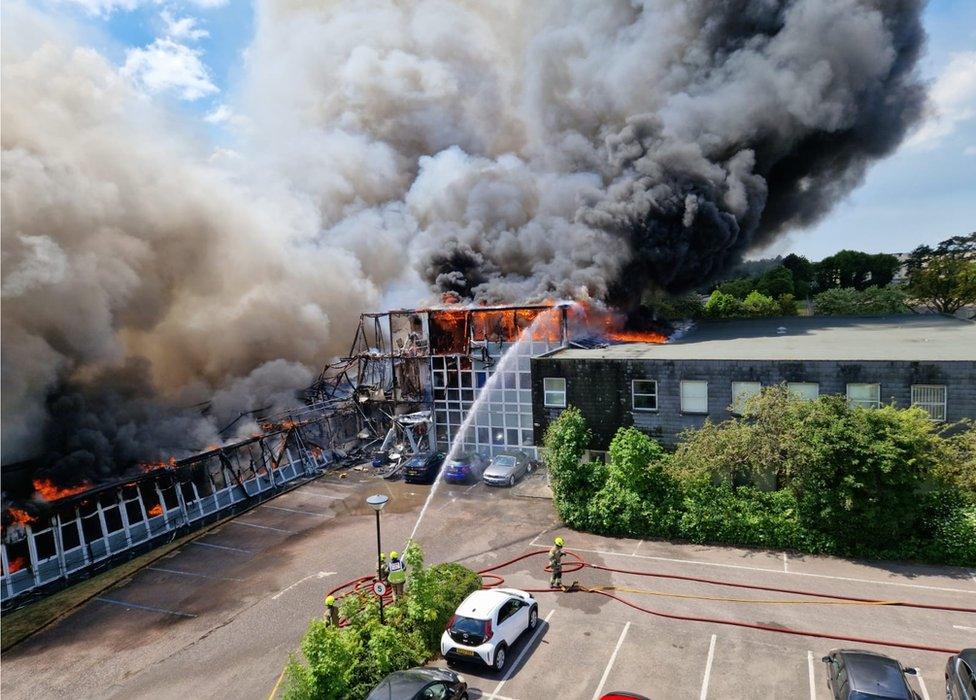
377,502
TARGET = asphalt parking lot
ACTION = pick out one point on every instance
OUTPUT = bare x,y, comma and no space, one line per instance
219,617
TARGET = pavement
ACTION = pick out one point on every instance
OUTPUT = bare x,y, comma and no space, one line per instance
220,616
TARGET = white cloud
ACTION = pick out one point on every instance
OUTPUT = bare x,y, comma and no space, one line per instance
105,7
952,102
182,27
224,115
209,4
167,66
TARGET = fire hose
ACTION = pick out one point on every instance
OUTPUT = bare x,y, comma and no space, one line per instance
493,580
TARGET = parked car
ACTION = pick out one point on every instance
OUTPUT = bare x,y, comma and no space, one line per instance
421,684
469,466
486,624
853,674
506,468
381,458
423,468
960,676
622,695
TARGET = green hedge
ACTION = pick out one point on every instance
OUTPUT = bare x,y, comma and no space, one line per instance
810,476
348,662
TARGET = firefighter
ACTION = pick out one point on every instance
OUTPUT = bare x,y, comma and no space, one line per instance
384,570
556,555
331,611
398,575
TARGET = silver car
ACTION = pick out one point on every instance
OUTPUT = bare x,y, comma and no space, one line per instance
507,467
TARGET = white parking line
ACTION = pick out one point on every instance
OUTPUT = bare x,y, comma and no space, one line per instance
921,685
813,684
221,546
708,669
190,573
513,666
134,606
971,591
613,657
261,527
323,495
969,629
472,487
295,510
639,543
319,574
785,568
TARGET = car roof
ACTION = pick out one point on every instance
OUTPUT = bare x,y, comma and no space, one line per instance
401,684
482,604
969,656
875,674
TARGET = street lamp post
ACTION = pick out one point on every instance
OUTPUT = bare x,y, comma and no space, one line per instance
377,503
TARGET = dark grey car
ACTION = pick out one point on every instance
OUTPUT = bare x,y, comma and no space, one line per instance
421,684
960,676
507,467
853,674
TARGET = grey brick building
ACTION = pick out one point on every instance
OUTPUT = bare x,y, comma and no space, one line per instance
928,360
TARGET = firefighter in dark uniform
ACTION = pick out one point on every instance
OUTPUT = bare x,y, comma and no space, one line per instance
556,555
331,611
384,570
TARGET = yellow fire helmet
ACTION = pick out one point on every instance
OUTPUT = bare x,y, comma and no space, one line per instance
394,555
330,600
559,541
382,556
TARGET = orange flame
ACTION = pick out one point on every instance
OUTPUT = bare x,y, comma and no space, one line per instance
153,466
50,491
21,516
637,337
16,564
156,510
589,318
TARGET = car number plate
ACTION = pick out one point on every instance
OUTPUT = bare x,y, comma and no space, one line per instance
464,652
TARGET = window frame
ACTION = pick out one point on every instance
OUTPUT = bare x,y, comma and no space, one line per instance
925,405
790,385
681,397
546,392
873,403
634,394
736,410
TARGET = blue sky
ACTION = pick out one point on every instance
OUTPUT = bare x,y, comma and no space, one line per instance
189,54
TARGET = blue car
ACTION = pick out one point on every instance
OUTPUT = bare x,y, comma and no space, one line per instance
467,467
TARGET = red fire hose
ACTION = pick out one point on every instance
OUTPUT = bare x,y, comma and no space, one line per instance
578,563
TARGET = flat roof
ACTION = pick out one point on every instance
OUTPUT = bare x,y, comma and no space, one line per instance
931,337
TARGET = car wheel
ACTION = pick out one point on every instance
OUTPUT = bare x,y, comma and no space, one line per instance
533,617
500,658
511,480
464,696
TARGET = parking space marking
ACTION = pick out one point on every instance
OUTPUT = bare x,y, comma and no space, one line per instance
295,510
613,657
495,695
708,669
221,546
190,573
813,684
135,606
639,543
921,684
961,627
785,568
261,527
323,495
450,502
971,591
319,574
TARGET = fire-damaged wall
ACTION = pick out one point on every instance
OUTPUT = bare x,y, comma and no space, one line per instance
602,388
85,528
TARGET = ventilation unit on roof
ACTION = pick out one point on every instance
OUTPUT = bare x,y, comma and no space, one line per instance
781,330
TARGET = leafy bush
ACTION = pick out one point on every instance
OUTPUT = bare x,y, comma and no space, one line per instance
816,476
349,661
873,301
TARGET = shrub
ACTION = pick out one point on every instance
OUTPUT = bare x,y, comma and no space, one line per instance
873,301
349,661
722,305
757,304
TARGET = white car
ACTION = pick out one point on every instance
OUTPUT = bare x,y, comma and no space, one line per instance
487,623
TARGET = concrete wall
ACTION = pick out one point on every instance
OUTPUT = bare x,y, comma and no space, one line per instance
601,388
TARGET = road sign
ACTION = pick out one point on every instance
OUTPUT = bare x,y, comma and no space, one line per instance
379,588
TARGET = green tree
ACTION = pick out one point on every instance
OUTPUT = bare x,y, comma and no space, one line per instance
739,287
776,282
573,482
852,268
787,305
874,301
944,283
722,305
803,273
757,304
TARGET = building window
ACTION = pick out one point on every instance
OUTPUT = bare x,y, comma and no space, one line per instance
694,397
643,394
554,392
742,392
864,395
931,398
804,390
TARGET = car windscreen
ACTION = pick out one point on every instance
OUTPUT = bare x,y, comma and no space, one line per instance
505,461
467,630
